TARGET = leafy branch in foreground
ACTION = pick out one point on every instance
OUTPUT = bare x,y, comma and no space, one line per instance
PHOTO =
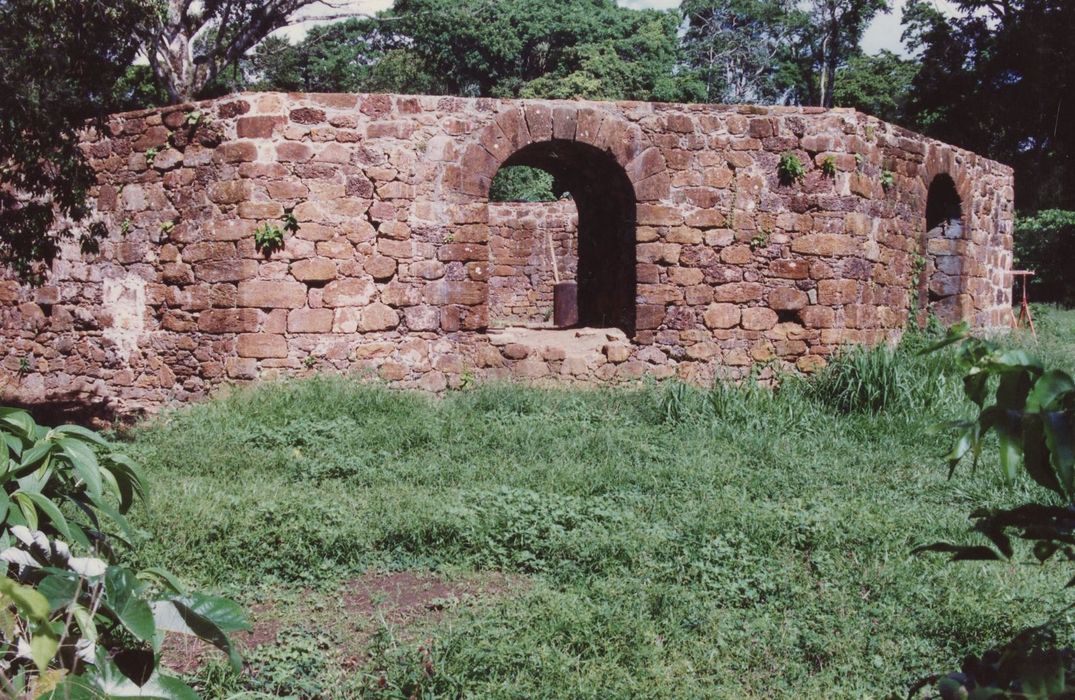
84,626
1030,410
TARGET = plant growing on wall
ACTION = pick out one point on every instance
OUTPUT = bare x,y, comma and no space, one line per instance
66,604
790,169
888,179
268,238
828,166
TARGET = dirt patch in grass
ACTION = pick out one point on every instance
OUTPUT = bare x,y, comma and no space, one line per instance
406,601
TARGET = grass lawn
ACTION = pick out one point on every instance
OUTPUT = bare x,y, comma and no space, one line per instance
634,543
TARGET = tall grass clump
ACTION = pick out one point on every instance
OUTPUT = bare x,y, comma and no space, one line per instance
882,379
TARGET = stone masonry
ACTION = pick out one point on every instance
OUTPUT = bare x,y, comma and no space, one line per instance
692,251
520,262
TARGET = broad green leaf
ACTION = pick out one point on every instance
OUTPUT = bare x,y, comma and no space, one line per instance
1013,390
44,645
1036,454
104,681
5,504
60,589
83,433
1048,389
1011,443
28,601
123,598
956,334
18,419
26,507
1013,361
85,623
84,461
165,577
963,445
14,444
116,517
32,458
1061,443
133,483
55,517
206,617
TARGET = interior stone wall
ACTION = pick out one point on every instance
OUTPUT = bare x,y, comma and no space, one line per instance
387,271
521,273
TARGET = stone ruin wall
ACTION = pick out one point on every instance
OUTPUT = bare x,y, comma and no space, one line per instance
520,265
389,273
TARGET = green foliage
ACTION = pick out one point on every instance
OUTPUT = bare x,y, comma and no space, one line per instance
743,50
980,88
268,238
589,48
520,183
878,85
73,612
1031,413
882,379
60,63
355,55
790,169
836,32
291,224
888,179
1045,243
828,166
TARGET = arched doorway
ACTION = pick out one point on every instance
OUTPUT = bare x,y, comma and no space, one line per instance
941,282
601,255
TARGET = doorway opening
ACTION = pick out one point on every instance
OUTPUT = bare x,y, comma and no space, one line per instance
566,212
941,281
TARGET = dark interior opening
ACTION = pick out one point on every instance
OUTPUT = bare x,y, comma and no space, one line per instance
604,198
943,205
941,282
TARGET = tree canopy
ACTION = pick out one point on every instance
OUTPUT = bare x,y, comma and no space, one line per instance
999,78
60,64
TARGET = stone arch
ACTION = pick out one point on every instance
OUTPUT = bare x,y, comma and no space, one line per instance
942,282
607,164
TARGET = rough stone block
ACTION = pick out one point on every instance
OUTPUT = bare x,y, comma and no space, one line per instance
378,317
260,127
380,267
737,255
787,299
790,269
837,291
348,292
228,321
229,192
314,270
739,292
720,316
758,319
272,294
261,345
826,245
260,210
817,316
309,320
